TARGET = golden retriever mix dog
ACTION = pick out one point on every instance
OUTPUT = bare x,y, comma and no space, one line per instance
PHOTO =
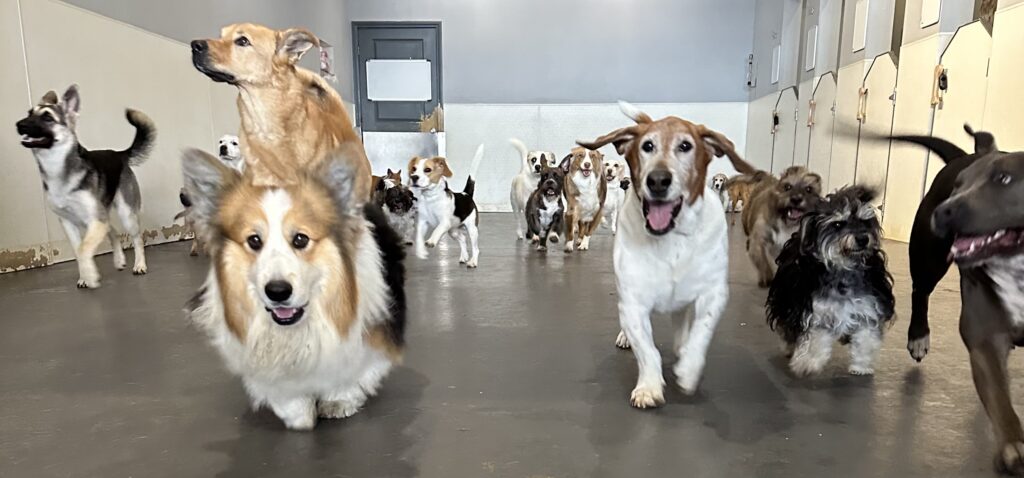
290,116
585,191
304,298
774,214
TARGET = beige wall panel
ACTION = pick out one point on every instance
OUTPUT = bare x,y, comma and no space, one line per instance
785,135
759,131
803,133
913,115
224,109
873,156
23,235
118,66
820,148
1004,105
966,58
844,145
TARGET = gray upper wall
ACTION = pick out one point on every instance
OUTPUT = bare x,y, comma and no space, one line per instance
186,20
584,51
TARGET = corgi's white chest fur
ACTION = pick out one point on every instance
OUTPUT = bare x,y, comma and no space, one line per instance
587,201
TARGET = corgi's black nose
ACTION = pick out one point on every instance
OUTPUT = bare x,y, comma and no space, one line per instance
198,46
278,290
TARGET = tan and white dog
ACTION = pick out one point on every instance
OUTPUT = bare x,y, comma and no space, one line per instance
525,183
671,253
441,210
585,191
305,295
617,184
290,117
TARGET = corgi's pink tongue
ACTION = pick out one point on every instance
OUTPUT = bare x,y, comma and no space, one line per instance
285,312
659,215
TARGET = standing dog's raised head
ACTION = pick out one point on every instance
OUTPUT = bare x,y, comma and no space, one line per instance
797,191
552,181
985,212
228,149
718,182
668,160
428,173
581,161
52,121
247,54
614,171
842,231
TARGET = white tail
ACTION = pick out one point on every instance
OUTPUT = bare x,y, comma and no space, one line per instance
521,147
631,111
475,165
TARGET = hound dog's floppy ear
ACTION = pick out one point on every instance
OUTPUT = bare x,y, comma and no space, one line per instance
444,164
722,146
295,42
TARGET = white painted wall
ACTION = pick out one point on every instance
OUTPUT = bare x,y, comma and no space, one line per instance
145,71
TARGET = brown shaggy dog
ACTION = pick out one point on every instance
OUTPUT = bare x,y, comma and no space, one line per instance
774,214
291,118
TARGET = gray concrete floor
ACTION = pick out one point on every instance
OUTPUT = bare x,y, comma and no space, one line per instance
510,371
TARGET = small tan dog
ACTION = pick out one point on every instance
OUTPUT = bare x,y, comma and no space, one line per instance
774,215
292,120
585,191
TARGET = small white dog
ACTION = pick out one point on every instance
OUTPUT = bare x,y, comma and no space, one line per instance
718,186
615,174
230,152
526,181
672,252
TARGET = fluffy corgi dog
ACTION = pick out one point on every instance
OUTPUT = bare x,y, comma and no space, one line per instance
585,192
304,299
442,210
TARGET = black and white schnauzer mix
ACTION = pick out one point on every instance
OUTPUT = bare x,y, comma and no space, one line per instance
82,186
545,210
832,284
400,211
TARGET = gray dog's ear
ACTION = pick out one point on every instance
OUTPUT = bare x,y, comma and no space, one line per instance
71,103
50,98
295,42
206,179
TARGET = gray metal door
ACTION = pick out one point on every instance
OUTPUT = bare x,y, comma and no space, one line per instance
395,41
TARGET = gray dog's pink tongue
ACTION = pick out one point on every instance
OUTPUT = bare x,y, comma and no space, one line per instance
285,312
659,216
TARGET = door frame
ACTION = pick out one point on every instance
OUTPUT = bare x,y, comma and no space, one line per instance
357,81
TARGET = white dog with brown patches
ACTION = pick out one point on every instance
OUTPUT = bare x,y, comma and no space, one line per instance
442,210
671,252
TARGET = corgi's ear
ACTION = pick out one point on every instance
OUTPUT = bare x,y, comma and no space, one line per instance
206,179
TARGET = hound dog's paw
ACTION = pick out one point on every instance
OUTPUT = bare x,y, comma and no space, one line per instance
542,248
140,270
553,238
647,397
535,239
688,375
918,348
1010,459
92,283
568,248
120,263
861,370
431,244
421,254
463,259
621,341
337,408
471,264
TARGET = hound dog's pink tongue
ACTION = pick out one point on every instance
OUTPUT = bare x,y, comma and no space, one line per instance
659,215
